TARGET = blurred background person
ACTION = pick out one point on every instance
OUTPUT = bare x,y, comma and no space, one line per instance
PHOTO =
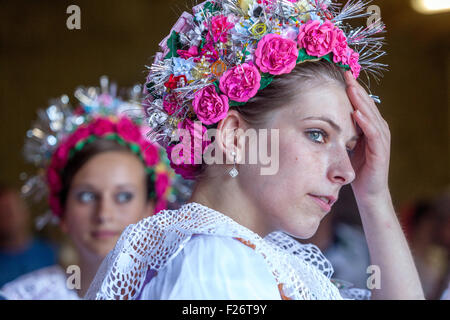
427,226
20,251
102,176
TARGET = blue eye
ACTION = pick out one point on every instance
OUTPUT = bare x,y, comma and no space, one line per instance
124,197
317,136
86,197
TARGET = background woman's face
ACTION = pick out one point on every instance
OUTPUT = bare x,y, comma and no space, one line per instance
316,134
106,195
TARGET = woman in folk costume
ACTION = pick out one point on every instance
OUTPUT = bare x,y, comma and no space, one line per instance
287,69
101,175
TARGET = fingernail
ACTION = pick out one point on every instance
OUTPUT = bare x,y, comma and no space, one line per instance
359,114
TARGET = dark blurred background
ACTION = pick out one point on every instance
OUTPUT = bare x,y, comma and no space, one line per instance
41,59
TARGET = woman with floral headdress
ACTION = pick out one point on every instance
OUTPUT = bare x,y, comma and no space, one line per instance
102,175
287,69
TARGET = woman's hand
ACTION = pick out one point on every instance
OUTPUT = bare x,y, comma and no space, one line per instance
371,157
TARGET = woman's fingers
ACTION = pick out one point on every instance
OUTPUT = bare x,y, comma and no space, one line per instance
364,102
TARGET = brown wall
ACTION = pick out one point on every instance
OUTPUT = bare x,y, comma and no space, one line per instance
40,58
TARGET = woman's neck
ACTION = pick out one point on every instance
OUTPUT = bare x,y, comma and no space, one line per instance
227,198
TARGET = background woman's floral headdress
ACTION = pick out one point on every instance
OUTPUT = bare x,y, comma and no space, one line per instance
60,131
228,50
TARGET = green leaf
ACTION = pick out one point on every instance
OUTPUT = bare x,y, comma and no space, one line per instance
211,7
216,84
266,79
232,103
173,43
303,56
328,58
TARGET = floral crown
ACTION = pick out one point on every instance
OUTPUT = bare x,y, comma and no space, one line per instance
228,50
61,131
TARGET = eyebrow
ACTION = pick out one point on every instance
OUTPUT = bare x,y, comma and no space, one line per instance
333,124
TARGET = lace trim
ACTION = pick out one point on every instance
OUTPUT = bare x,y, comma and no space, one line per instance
301,270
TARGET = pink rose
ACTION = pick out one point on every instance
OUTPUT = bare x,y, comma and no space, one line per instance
101,126
55,205
81,133
241,82
187,171
150,154
210,106
340,49
196,132
219,28
161,184
128,130
276,55
353,63
317,39
53,180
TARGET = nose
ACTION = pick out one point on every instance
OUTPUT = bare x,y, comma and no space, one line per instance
104,210
341,170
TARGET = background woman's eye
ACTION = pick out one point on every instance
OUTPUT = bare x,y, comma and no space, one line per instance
318,136
124,197
86,197
350,152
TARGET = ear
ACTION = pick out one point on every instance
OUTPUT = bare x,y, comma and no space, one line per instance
228,135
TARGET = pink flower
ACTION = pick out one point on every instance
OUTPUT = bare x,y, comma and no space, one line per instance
81,133
317,39
209,106
241,82
187,171
276,55
60,156
219,28
150,154
53,180
186,54
353,63
128,130
196,132
101,126
105,99
170,104
161,184
55,205
340,49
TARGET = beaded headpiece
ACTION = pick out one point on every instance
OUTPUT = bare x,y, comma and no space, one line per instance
227,50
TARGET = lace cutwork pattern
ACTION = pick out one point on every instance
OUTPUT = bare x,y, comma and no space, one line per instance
301,270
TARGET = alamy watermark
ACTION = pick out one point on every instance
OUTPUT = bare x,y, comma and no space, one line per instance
74,20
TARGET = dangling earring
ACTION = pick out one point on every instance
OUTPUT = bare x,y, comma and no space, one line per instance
233,172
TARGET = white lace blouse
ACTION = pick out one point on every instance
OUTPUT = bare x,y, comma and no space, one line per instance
198,253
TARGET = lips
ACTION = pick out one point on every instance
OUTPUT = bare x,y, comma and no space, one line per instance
324,202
